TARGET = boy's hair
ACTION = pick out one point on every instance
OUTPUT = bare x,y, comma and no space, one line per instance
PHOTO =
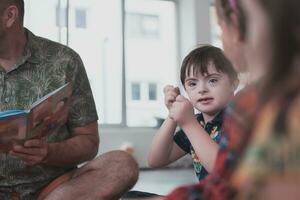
200,58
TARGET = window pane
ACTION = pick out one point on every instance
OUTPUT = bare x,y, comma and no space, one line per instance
100,46
61,16
142,26
151,57
51,25
135,91
80,16
152,91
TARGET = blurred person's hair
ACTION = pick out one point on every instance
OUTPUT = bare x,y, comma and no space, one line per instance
284,72
225,8
199,59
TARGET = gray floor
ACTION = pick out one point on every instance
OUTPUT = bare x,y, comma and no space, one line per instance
164,181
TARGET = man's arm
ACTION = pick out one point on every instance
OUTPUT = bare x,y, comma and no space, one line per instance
81,147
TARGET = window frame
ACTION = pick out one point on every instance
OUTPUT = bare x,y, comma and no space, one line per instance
123,123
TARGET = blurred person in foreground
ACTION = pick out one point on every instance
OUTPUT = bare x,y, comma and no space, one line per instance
259,158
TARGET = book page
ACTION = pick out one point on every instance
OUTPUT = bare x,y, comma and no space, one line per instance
12,130
46,116
50,113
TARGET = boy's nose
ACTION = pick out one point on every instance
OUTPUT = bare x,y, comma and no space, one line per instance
202,88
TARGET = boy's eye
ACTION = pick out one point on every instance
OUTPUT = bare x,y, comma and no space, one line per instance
213,81
191,84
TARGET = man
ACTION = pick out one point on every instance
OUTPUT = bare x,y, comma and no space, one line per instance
31,67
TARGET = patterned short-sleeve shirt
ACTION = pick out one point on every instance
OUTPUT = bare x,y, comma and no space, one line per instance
44,67
213,128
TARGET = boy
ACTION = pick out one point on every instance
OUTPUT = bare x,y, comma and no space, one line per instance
209,80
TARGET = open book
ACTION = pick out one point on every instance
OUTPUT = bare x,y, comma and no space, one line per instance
45,116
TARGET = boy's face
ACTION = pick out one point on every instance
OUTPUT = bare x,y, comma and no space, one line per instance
209,93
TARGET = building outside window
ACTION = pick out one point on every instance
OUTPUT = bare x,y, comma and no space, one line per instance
80,18
152,91
120,42
135,91
143,25
61,16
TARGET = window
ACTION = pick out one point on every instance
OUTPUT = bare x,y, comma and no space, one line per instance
135,91
128,60
150,56
143,25
152,91
80,16
215,28
61,16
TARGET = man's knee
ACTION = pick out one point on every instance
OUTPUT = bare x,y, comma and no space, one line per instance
118,164
123,162
122,173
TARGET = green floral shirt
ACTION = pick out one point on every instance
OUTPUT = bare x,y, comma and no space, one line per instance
44,66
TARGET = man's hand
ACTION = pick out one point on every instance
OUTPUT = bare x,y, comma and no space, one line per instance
182,111
33,151
171,93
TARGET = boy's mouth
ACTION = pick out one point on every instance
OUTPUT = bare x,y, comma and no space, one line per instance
205,100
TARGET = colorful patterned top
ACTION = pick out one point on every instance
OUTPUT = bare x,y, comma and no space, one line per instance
213,128
270,168
44,67
237,125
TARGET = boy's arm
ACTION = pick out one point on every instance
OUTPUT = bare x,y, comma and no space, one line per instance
163,149
205,148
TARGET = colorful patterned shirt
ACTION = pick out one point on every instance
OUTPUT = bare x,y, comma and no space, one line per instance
44,67
270,168
213,128
237,125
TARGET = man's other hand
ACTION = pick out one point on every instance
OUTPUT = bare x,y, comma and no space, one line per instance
32,152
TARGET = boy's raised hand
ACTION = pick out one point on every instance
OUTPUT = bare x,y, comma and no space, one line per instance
182,111
171,93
